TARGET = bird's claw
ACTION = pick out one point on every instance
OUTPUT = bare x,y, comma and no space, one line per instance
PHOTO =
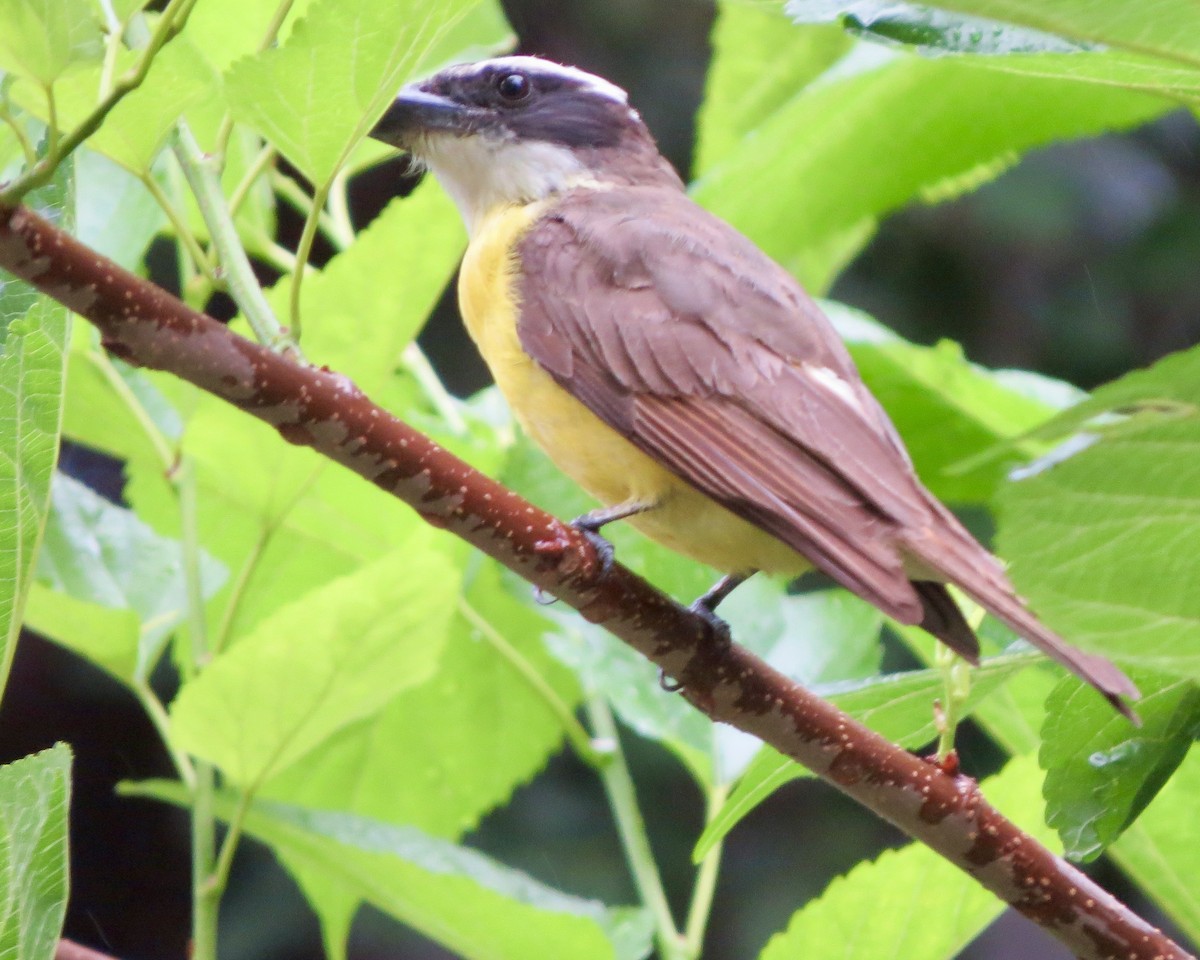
668,684
605,552
719,629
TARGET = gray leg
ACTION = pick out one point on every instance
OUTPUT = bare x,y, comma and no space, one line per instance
706,604
589,525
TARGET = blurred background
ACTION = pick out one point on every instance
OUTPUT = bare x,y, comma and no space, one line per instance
1079,262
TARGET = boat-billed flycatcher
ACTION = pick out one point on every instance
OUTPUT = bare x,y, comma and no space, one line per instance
671,368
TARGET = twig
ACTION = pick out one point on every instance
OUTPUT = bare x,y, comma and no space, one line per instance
145,325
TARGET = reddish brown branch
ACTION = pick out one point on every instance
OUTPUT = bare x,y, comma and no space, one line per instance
70,950
144,325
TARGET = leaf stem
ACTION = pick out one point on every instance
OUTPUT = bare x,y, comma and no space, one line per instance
446,404
706,883
27,148
219,878
162,724
172,20
182,232
206,899
260,163
303,249
339,224
577,736
631,827
243,285
238,590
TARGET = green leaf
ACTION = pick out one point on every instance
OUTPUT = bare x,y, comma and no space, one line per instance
466,737
288,523
115,215
1100,541
112,407
134,130
949,411
821,152
456,896
329,658
32,362
41,39
1168,29
1161,850
937,32
317,95
106,560
759,63
1101,771
897,706
908,903
369,302
35,794
934,32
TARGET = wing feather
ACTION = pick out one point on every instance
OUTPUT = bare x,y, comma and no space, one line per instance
702,352
680,334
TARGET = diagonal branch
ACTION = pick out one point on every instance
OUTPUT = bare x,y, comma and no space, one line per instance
144,325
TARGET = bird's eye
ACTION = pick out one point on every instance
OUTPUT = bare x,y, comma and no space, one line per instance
514,87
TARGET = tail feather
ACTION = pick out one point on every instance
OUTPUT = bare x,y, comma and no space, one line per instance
956,556
945,621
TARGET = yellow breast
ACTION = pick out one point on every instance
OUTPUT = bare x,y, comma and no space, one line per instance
590,452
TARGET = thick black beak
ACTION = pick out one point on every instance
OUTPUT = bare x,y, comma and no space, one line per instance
415,111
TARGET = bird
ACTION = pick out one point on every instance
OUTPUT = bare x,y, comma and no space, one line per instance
673,370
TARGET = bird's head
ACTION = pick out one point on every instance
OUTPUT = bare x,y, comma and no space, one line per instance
512,130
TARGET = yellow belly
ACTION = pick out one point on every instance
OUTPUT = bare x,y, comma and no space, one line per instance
590,452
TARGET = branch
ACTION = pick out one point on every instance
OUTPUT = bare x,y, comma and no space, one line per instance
144,325
70,950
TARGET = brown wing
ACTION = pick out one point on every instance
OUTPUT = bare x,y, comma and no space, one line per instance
683,336
679,333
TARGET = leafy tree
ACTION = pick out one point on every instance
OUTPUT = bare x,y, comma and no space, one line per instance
357,689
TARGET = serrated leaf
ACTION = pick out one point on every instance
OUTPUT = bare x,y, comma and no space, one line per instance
316,95
102,556
329,658
41,39
1168,28
134,130
32,362
1161,850
222,31
932,31
297,519
454,895
903,890
35,794
898,707
1101,771
1100,544
949,410
758,64
467,735
821,151
369,302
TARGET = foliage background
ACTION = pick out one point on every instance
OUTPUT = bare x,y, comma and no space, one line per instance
1078,262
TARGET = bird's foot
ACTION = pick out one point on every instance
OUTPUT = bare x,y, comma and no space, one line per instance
706,604
718,628
589,527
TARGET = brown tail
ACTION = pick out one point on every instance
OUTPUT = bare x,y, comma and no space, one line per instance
962,561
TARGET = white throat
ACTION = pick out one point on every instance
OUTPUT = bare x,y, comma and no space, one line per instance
481,173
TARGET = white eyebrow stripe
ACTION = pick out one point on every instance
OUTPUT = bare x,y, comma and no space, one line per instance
536,65
834,383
